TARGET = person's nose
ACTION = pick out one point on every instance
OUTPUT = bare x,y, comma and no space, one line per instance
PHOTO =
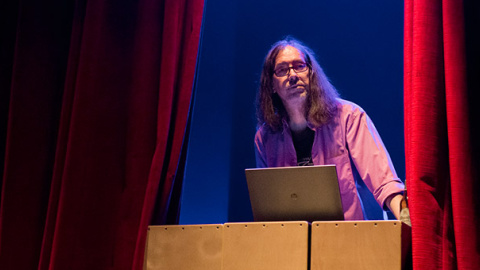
293,77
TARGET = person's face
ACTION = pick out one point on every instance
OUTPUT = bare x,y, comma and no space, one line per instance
292,86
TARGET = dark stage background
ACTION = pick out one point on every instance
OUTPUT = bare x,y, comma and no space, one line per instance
358,43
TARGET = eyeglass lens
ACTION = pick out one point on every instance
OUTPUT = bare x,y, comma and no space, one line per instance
284,70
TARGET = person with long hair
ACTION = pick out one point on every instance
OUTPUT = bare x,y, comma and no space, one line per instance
302,121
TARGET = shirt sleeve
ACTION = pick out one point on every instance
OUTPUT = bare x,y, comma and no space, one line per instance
370,157
260,150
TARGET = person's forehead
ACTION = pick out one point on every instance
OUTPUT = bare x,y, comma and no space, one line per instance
289,54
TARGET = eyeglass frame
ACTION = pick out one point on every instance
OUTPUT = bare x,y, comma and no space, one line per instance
307,66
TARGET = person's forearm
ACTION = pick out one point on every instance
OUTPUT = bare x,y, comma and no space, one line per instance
393,202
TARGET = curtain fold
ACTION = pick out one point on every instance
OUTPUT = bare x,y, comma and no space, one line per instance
441,178
99,98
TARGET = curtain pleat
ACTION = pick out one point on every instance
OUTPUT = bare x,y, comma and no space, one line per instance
460,157
39,61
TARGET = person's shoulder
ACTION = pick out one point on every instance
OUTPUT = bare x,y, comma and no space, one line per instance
264,131
262,134
349,107
261,129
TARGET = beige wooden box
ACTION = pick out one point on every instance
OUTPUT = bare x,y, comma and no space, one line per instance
359,245
265,245
184,247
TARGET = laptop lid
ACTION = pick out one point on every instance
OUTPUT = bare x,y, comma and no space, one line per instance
309,193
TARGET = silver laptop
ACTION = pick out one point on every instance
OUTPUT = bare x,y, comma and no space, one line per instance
309,193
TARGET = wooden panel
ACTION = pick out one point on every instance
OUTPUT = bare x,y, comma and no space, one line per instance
357,245
184,247
266,245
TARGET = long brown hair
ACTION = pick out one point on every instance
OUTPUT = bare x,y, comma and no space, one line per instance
322,96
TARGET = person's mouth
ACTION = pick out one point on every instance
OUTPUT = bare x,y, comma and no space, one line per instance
296,86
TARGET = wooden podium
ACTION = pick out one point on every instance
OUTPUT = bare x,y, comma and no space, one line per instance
279,245
359,245
266,245
184,247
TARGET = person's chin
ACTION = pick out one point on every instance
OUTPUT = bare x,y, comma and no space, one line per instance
298,92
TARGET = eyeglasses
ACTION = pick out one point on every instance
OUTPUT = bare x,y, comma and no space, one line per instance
285,70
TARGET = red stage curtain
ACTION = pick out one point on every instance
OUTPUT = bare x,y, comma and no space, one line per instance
442,178
95,100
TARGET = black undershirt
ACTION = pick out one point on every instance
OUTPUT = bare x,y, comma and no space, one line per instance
303,142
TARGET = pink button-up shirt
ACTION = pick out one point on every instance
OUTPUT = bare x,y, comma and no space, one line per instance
348,141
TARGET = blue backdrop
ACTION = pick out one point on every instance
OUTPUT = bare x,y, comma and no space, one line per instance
358,43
